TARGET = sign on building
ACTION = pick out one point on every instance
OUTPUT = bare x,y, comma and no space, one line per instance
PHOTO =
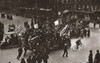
36,26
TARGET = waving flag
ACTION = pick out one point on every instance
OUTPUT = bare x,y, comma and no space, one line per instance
19,29
63,30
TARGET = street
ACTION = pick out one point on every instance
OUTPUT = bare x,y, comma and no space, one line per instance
79,56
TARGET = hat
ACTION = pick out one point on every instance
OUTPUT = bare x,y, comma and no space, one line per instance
97,50
90,50
65,44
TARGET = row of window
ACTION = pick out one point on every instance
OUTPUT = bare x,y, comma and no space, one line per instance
86,7
74,1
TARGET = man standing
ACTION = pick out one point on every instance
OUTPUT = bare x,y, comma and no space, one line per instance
90,60
19,53
39,58
34,58
29,60
97,57
78,42
94,24
23,60
65,50
88,32
45,58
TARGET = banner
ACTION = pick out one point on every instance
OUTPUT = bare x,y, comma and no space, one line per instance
63,30
56,23
18,29
36,26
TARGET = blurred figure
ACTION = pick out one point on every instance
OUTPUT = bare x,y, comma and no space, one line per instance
19,53
23,60
39,58
9,62
94,24
29,60
90,59
97,57
34,58
32,23
78,42
88,32
85,32
45,58
3,15
1,31
65,50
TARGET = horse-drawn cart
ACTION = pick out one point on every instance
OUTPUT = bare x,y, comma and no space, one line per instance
10,40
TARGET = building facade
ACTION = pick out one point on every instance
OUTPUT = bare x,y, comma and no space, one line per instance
85,6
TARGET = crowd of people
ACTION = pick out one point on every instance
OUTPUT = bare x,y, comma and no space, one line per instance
36,57
8,16
43,37
40,45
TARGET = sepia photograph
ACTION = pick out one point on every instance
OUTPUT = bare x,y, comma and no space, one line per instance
49,31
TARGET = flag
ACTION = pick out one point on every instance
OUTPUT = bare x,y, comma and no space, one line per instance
18,29
36,26
56,23
63,30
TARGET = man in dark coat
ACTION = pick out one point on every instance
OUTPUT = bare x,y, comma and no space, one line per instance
39,58
45,58
94,24
88,34
34,58
29,60
23,60
68,42
90,57
19,53
65,50
97,57
32,23
1,31
9,62
78,42
85,31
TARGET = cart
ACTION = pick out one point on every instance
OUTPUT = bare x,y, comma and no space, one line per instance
6,42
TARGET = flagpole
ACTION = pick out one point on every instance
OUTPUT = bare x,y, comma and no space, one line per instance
17,23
